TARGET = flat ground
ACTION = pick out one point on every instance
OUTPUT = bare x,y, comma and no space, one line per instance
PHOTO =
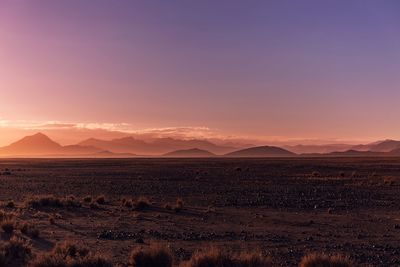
282,207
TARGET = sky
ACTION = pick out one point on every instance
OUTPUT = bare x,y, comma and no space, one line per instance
268,70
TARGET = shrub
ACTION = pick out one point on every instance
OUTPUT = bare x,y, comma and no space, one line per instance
10,204
68,254
315,174
154,256
8,226
252,260
29,230
178,205
15,252
91,261
101,200
52,220
215,257
142,203
44,201
319,259
52,201
87,199
69,249
94,205
126,203
71,201
6,215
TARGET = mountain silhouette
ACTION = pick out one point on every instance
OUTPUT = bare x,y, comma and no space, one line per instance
355,153
37,144
301,149
261,152
190,153
157,146
40,145
380,146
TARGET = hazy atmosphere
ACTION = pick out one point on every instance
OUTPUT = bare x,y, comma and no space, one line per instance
265,70
199,133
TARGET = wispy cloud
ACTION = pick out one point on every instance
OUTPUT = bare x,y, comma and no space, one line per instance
72,132
182,132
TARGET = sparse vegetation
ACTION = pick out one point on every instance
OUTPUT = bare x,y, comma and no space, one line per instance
215,257
30,230
324,260
316,174
178,205
52,219
101,200
154,256
10,204
52,201
87,199
94,205
141,203
14,252
128,204
8,226
69,254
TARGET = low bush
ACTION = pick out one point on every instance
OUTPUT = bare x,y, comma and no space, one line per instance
142,203
153,256
216,258
68,254
324,260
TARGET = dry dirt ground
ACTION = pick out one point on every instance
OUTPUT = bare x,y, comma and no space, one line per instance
281,207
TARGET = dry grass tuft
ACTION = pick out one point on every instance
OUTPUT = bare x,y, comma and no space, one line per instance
44,201
142,203
178,205
10,204
315,174
154,256
8,226
215,257
29,230
69,254
87,199
6,215
71,201
127,203
52,201
15,252
323,260
101,200
52,220
69,249
94,206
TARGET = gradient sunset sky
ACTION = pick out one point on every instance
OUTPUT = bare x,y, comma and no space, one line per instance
270,70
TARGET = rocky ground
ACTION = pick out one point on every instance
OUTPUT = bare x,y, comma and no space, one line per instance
283,208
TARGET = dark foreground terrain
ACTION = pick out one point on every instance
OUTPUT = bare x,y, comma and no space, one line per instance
283,208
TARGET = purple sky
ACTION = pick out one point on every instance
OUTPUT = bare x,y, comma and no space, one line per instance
287,69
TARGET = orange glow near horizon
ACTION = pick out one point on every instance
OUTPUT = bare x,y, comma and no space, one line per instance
265,72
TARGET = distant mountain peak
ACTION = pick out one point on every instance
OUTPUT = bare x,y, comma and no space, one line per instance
261,151
190,153
37,138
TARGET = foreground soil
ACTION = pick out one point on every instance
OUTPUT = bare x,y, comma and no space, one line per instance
283,208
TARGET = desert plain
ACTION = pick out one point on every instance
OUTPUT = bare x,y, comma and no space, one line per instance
282,208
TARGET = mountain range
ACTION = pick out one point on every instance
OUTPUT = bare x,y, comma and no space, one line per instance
40,145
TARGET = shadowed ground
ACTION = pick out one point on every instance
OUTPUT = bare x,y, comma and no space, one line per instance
282,207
